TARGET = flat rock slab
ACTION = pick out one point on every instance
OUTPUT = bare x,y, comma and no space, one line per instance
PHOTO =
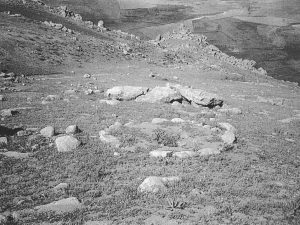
125,93
160,94
62,206
157,184
66,143
16,155
199,96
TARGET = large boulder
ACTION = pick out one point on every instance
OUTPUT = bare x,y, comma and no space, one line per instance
126,93
160,94
198,96
66,143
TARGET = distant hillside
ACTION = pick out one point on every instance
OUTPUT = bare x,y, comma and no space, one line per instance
92,10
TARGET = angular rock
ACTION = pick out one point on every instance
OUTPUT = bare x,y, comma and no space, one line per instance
3,141
126,93
62,206
185,154
208,151
160,94
66,143
157,184
16,155
109,139
2,98
228,137
48,131
160,153
72,129
159,120
199,96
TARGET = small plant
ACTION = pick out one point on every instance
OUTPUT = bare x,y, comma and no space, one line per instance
162,137
175,204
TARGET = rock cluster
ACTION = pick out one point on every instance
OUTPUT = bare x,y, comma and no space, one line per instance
168,94
58,26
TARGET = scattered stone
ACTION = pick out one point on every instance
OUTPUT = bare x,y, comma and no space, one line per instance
116,126
157,184
3,140
198,96
126,93
109,139
62,206
66,143
160,94
72,129
161,153
16,155
228,127
89,92
48,131
87,75
23,133
228,137
185,154
61,187
208,151
159,120
7,112
235,111
117,154
177,120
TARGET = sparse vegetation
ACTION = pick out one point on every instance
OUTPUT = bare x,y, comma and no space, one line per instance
253,181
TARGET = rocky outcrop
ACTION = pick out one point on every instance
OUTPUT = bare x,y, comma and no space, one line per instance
198,96
160,94
126,93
